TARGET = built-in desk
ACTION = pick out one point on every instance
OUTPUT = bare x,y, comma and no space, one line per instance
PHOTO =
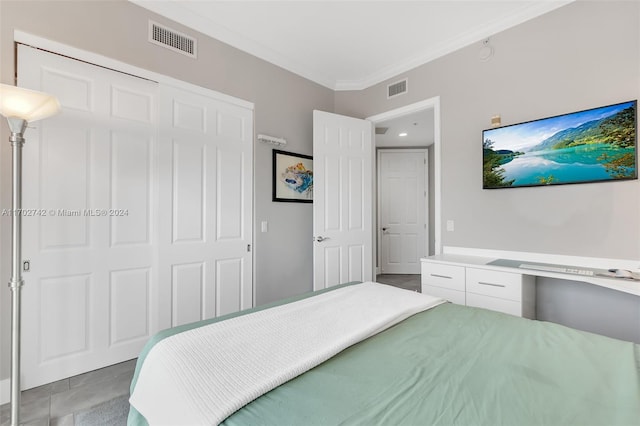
501,284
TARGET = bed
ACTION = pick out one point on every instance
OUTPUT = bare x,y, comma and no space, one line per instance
434,363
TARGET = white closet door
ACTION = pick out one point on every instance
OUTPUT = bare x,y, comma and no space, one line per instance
145,196
205,262
88,178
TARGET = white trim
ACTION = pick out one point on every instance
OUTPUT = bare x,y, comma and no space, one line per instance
185,16
5,391
407,109
431,103
179,13
114,64
464,40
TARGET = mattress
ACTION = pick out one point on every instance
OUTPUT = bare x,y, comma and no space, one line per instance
457,365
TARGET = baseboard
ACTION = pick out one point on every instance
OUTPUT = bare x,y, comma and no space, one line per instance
5,391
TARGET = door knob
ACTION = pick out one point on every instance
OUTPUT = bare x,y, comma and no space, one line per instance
320,239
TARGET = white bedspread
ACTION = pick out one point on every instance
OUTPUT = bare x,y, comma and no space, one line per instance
201,376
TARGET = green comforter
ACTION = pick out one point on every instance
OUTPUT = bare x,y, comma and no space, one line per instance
455,365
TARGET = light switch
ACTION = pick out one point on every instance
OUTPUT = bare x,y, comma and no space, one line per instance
264,226
450,226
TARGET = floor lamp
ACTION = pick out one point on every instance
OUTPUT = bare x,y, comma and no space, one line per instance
20,107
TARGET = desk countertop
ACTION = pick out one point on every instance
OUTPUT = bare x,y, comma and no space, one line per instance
600,277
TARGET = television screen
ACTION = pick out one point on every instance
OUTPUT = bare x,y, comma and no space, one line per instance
594,145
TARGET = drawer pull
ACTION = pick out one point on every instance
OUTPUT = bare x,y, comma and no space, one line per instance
491,284
440,276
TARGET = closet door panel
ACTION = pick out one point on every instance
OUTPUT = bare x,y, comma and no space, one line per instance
88,295
206,150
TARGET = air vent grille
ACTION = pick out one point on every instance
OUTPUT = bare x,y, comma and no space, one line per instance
381,130
171,39
397,88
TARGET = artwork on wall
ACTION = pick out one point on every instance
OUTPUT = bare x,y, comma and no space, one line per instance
292,177
594,145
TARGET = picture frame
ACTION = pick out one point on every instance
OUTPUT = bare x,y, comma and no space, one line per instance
292,177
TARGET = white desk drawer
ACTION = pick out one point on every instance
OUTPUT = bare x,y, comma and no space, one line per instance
453,296
446,276
504,285
501,305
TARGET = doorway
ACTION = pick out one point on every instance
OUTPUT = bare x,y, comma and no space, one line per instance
415,126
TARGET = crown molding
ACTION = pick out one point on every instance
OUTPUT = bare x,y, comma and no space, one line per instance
177,12
189,18
451,46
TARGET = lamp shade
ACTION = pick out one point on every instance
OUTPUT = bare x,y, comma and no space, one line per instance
25,104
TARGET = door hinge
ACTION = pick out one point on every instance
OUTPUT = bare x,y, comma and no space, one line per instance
248,248
26,265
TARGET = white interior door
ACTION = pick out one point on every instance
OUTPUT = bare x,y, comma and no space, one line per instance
89,175
343,196
402,212
205,266
145,195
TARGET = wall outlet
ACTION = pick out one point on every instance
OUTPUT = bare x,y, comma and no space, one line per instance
450,226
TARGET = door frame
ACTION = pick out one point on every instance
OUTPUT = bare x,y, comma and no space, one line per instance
378,191
430,103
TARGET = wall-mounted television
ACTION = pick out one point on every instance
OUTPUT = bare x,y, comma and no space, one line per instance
593,145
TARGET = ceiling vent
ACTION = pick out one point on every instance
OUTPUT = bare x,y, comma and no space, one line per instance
381,130
396,89
171,39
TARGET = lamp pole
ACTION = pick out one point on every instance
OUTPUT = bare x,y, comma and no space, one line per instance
20,106
17,127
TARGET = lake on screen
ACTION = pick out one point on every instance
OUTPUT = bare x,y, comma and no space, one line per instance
575,164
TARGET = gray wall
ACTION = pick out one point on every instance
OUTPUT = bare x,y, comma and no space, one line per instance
283,107
583,55
588,307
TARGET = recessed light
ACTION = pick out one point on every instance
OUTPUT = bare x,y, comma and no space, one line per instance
402,134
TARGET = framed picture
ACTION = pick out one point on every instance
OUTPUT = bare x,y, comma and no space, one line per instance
292,177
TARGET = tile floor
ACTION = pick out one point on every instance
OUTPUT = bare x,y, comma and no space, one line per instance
406,281
54,404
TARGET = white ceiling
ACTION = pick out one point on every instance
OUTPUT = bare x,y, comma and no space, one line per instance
350,44
418,127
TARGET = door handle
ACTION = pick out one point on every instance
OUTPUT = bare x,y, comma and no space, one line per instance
320,238
384,229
